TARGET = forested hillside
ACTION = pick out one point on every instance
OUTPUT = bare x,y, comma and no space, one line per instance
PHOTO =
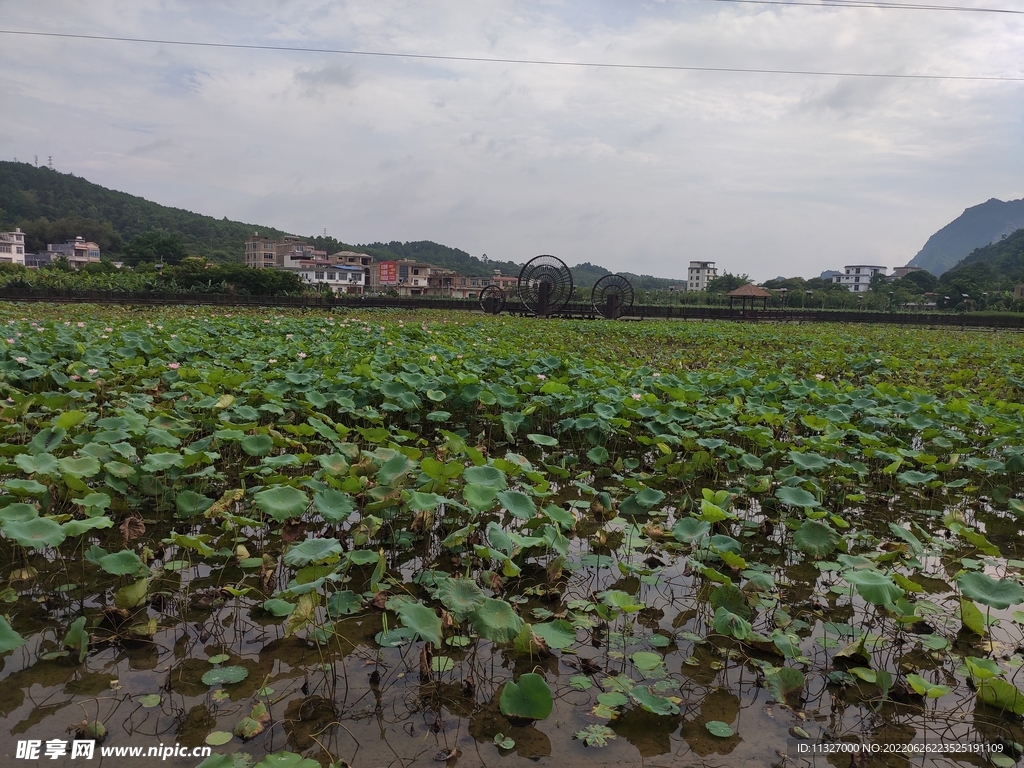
52,207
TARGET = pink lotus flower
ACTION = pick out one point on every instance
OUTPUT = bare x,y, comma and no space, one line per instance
109,330
174,366
74,377
637,396
81,325
272,360
301,355
433,358
289,335
541,376
21,359
93,371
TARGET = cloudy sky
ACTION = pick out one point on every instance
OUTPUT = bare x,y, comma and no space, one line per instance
634,169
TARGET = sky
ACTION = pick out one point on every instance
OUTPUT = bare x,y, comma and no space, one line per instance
635,169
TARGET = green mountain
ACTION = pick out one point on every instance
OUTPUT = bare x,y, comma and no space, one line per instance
53,207
974,228
996,267
47,204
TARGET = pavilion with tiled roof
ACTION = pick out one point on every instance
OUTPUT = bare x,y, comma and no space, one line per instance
751,293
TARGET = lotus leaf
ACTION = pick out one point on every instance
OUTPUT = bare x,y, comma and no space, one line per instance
488,477
495,620
422,620
719,729
282,502
313,550
225,675
557,634
651,702
795,497
530,698
874,586
995,593
9,639
461,597
37,533
518,503
816,538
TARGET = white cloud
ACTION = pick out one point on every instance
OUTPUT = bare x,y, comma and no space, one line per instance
632,169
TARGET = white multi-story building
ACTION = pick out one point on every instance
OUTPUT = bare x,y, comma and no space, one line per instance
857,277
701,273
342,278
12,247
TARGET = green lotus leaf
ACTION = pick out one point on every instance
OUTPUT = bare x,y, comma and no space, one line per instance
982,669
19,512
785,683
257,445
20,487
795,497
914,477
461,597
9,639
529,699
123,563
719,729
616,598
226,675
422,620
545,440
645,661
334,506
312,550
874,586
1001,593
37,464
557,634
518,503
394,468
495,620
816,538
732,597
489,477
282,502
86,466
278,607
1000,694
344,603
598,455
37,533
652,702
78,527
810,462
190,503
926,689
132,595
728,623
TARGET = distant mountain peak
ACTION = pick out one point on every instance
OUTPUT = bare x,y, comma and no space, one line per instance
976,227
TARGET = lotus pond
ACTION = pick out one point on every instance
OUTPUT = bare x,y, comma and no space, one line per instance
414,538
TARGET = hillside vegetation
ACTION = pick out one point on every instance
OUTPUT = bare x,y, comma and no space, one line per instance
52,207
974,228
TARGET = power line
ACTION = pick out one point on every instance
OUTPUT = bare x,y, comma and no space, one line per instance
496,60
879,4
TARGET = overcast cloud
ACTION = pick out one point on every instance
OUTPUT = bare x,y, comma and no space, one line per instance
636,170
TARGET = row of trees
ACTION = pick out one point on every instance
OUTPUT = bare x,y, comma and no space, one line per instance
190,275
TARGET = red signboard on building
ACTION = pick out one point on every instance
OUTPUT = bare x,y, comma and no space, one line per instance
389,272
